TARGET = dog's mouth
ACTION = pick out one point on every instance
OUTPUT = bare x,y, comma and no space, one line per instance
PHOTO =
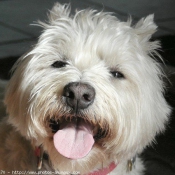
74,137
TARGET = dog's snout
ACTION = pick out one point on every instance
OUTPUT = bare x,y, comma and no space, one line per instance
79,95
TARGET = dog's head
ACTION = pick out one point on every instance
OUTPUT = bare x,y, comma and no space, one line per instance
89,91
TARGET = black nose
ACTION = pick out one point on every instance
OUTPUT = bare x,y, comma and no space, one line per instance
79,95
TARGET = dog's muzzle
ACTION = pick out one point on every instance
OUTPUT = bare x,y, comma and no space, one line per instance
79,95
74,133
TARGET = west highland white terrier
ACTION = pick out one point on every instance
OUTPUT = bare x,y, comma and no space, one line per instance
87,99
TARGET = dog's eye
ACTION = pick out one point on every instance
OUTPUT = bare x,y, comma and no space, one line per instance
117,74
59,64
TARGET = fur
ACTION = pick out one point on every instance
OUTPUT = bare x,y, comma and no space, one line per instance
93,44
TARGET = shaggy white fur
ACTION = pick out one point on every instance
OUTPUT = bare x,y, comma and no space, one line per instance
114,58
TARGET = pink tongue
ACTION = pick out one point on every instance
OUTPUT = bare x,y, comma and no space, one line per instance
74,140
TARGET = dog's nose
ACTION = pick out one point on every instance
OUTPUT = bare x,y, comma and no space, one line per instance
79,95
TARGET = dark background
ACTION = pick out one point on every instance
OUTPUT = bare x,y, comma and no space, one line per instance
17,36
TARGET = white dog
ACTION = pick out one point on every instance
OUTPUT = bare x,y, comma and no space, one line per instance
86,99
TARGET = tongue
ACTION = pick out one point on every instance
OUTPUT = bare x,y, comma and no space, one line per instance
74,140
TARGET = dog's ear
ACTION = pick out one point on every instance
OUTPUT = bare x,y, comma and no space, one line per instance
59,11
145,28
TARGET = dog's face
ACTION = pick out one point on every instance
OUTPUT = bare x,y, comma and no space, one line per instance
89,91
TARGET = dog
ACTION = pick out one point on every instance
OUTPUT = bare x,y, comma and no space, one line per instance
87,99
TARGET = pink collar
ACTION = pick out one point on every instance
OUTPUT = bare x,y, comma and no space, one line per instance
39,154
104,171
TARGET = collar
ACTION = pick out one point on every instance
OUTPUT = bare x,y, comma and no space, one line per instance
39,153
104,171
